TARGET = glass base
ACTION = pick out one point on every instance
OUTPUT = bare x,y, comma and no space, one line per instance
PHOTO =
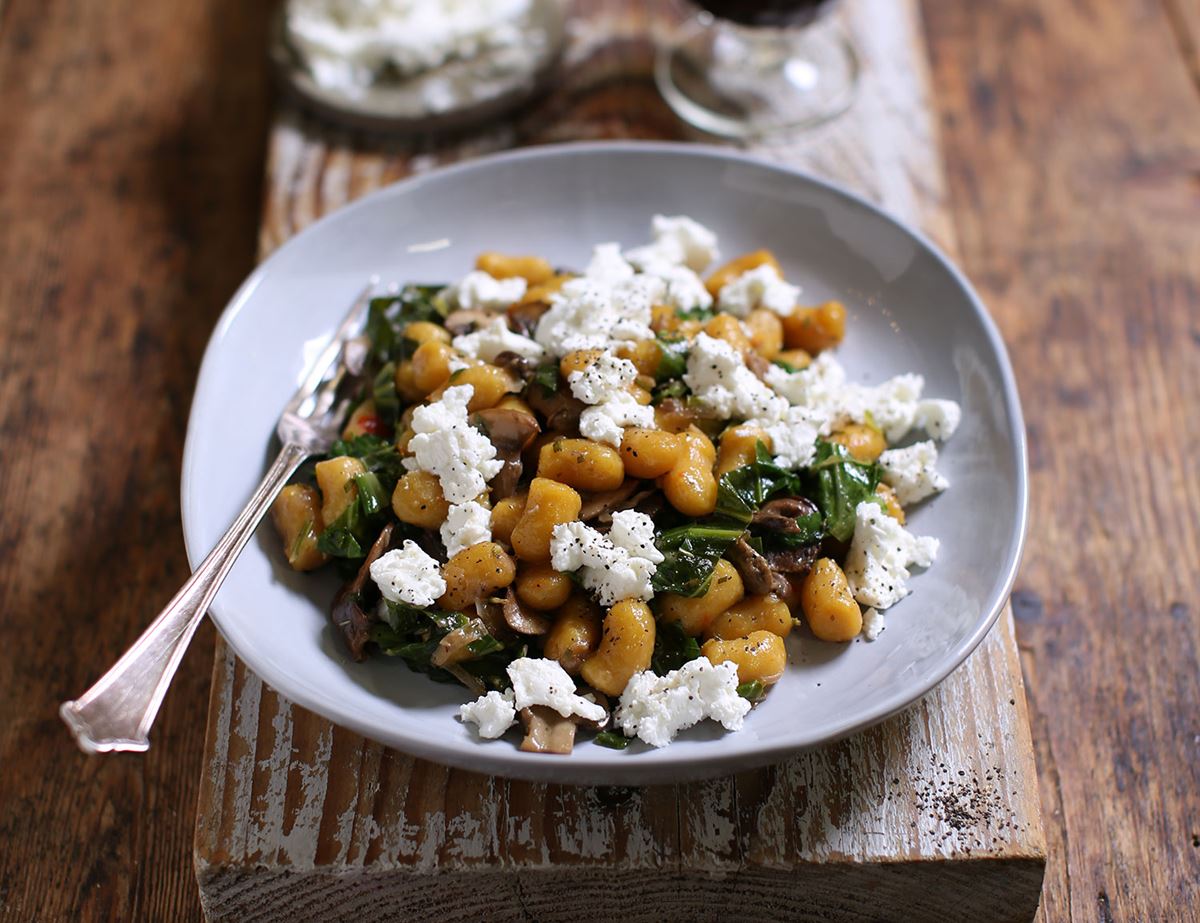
740,82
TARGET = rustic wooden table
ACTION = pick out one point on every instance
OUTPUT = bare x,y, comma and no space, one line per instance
132,138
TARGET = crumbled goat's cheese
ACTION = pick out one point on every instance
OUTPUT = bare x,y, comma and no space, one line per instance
678,241
656,708
604,384
603,378
408,575
607,265
540,681
494,713
494,338
347,46
938,417
616,566
872,624
912,472
535,681
793,437
880,554
685,290
589,313
722,384
466,524
479,291
447,445
891,406
761,287
606,422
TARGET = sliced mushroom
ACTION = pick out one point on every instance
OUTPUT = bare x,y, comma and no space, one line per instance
465,320
780,515
755,570
608,501
757,363
524,317
546,731
506,482
560,408
515,364
510,431
453,647
490,611
793,562
347,612
521,619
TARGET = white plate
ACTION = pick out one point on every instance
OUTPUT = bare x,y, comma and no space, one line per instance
909,310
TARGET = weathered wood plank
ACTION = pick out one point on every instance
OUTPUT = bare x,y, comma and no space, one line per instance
1073,135
934,811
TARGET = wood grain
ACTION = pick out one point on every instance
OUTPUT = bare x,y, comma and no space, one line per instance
933,814
130,170
1073,139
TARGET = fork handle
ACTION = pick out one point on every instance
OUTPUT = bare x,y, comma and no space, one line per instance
117,712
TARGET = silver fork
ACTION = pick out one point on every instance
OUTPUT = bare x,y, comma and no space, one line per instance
117,712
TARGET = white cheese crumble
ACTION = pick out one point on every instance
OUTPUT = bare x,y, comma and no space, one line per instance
872,624
479,291
892,406
591,313
540,681
678,241
408,575
494,713
656,708
535,681
494,338
722,384
761,287
466,524
685,290
607,265
348,44
912,472
938,417
794,437
605,385
616,566
880,554
602,379
447,445
606,422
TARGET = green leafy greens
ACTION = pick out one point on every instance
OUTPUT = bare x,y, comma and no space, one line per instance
701,314
388,315
841,483
413,634
673,353
614,740
546,377
752,691
691,551
348,535
672,648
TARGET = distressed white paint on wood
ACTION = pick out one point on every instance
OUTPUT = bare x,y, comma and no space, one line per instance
935,809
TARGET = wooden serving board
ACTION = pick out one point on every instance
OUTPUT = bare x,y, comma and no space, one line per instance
932,815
